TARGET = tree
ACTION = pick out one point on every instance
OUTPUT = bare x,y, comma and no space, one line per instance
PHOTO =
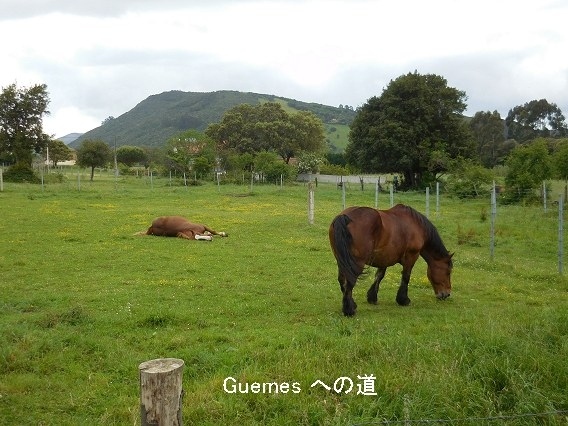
107,120
560,160
93,153
488,131
527,167
183,149
307,135
271,168
131,155
21,122
469,179
535,119
58,151
415,127
309,162
268,127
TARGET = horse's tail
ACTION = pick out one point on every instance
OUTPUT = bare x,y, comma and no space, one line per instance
147,232
342,241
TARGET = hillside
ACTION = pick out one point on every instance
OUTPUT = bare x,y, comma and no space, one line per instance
157,118
68,139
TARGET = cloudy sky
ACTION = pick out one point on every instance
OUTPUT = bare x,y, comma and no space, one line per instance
101,58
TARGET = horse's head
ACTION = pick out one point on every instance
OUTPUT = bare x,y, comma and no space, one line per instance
439,274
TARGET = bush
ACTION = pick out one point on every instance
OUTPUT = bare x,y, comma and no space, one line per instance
22,173
54,178
469,180
334,169
278,169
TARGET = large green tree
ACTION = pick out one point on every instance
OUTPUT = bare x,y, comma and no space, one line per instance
415,128
488,130
268,127
560,159
93,153
21,122
527,167
57,151
537,118
131,155
191,151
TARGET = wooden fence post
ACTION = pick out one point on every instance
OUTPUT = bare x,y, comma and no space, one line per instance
311,203
161,392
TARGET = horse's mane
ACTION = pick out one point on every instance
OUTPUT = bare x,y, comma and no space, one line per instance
433,240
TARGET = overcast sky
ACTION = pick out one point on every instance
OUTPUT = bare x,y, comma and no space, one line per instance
101,58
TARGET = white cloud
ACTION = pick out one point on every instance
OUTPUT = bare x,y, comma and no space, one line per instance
101,59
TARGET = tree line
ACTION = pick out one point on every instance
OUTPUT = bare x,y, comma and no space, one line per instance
415,128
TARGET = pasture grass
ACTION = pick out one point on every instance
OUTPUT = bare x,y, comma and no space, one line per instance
84,302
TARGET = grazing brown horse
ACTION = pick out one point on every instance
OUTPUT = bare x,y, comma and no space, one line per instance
177,226
362,236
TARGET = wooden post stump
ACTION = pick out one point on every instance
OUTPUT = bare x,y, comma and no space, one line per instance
161,392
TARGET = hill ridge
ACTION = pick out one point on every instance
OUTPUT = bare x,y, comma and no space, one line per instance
160,116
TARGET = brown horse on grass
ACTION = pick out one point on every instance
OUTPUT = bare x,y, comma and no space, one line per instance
362,236
177,226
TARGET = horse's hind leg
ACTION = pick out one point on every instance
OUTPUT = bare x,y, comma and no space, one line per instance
186,235
349,305
374,289
211,231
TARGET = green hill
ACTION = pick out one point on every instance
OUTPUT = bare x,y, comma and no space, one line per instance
157,118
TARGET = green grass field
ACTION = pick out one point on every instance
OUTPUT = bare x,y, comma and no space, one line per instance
83,302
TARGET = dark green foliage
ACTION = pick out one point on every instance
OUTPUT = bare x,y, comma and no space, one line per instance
272,168
469,180
20,172
58,151
560,159
21,122
93,153
415,128
489,135
267,127
336,159
527,167
131,155
537,118
328,114
191,152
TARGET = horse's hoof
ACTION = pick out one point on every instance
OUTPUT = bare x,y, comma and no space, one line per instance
403,302
349,309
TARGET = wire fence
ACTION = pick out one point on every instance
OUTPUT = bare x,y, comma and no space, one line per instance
561,414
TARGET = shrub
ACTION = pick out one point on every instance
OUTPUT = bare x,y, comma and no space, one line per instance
469,180
333,169
20,172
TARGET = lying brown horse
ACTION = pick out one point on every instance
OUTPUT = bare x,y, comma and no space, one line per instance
177,226
362,236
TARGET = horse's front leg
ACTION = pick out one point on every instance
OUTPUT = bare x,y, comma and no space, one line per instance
374,289
185,235
402,295
349,305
